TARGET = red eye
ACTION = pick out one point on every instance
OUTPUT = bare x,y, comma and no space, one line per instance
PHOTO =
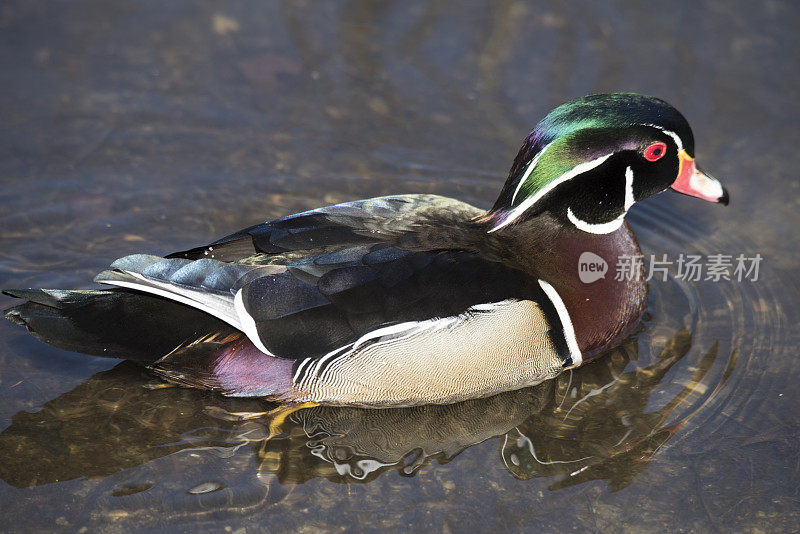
655,151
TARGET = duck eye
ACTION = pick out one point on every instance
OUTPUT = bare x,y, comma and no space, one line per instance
655,151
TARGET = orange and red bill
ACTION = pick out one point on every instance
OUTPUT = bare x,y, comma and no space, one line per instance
694,182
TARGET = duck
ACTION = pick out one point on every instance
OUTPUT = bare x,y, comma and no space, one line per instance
409,299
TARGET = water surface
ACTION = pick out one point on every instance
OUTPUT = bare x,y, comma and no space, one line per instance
154,127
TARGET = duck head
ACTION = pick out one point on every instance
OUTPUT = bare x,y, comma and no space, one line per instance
589,160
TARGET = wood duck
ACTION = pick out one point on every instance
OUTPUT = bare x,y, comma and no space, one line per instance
408,299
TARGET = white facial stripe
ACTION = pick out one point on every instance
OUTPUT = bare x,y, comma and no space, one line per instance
611,226
530,201
529,170
566,323
670,133
603,228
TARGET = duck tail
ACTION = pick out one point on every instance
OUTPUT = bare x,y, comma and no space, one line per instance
179,343
113,323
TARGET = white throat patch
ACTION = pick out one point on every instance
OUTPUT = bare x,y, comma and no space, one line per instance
611,226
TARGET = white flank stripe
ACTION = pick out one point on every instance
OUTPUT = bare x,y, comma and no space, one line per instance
411,332
529,170
311,367
566,323
491,306
299,371
312,372
331,354
412,327
611,226
530,201
248,324
385,331
408,329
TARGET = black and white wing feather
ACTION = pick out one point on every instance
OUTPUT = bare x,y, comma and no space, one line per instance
368,314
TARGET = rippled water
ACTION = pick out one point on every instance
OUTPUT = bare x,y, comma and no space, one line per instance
154,127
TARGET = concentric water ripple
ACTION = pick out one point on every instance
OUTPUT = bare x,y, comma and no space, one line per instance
744,319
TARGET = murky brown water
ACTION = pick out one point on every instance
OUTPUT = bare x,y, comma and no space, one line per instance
153,127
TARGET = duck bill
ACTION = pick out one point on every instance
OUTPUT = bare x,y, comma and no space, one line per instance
695,183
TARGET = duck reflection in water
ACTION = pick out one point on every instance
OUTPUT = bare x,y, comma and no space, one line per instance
585,425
